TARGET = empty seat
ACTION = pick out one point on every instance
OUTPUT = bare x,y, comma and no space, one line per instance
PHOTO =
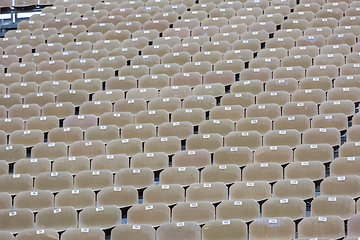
155,161
330,226
169,194
132,232
54,182
155,214
271,110
270,172
32,166
58,219
34,201
49,150
342,206
15,220
87,148
300,122
213,192
314,170
258,190
291,138
281,228
82,121
104,217
73,165
199,212
180,230
182,175
169,145
139,178
209,142
251,139
280,154
294,208
83,233
301,188
330,136
94,180
14,184
343,166
33,234
343,185
77,199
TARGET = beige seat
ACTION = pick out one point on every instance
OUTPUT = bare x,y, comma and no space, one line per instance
210,142
169,194
54,182
299,122
343,185
240,156
271,110
49,150
270,172
94,180
180,230
33,167
294,208
34,201
132,232
280,154
182,175
104,217
322,135
199,212
32,233
342,206
280,228
83,233
139,178
342,106
87,148
154,214
125,146
77,199
73,165
119,196
330,226
213,192
82,121
313,170
58,219
343,166
313,152
15,220
302,188
14,184
259,124
291,138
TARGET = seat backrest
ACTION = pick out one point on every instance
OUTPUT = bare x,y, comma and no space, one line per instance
34,200
199,212
133,232
258,190
154,214
93,233
280,228
77,199
119,196
58,219
330,226
180,230
227,229
104,217
15,220
179,175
